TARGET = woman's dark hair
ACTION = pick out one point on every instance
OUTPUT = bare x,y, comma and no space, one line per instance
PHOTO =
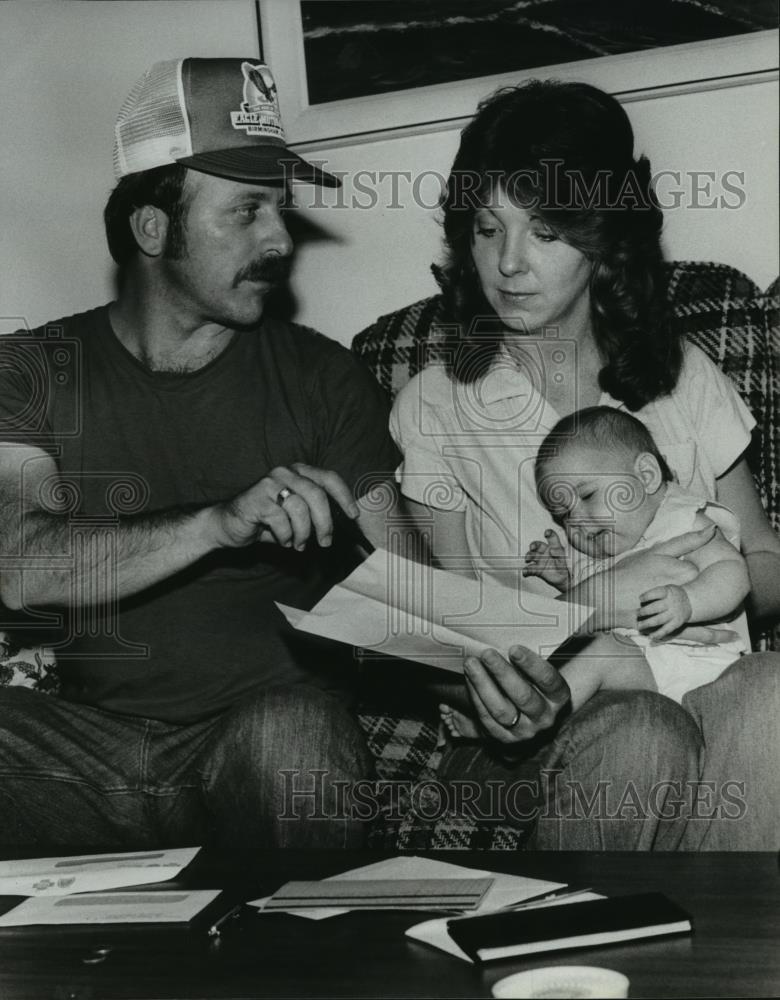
162,187
600,427
566,150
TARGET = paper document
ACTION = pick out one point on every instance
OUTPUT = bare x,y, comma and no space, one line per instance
91,872
505,890
397,607
161,906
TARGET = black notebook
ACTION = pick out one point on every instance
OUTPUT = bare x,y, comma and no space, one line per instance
574,925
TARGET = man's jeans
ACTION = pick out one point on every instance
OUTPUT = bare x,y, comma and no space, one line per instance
632,770
72,775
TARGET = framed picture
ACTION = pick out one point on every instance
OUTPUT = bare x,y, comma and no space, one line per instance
349,72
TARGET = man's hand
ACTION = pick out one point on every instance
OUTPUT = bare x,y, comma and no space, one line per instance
285,507
513,701
547,560
663,610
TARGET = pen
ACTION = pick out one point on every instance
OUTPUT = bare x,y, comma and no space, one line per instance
216,928
540,900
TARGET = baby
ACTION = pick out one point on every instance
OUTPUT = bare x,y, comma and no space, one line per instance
602,478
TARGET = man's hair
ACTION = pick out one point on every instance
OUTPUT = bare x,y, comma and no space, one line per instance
565,151
162,187
599,427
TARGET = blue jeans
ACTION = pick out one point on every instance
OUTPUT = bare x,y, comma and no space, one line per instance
632,770
738,719
261,774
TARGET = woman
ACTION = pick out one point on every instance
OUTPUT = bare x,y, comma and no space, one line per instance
554,282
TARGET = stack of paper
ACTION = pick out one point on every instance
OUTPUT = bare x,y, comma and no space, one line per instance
504,890
71,890
383,894
111,908
91,872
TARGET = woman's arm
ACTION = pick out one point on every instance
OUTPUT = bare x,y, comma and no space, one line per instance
760,544
446,532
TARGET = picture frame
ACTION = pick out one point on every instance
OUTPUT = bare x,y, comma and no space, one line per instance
707,65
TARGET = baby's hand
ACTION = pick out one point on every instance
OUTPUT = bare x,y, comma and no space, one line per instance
547,560
663,610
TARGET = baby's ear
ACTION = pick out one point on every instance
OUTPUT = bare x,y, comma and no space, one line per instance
649,471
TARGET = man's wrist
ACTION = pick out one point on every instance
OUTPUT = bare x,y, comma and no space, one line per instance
208,527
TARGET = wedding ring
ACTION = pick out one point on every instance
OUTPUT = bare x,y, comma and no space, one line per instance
514,721
283,495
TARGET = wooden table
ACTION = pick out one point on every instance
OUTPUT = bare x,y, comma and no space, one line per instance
733,952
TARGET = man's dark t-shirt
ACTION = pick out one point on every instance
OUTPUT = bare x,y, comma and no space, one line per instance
130,441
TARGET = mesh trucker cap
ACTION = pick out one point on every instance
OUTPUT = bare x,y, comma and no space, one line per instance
219,116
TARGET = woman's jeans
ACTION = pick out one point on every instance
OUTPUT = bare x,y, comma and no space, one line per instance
262,774
632,770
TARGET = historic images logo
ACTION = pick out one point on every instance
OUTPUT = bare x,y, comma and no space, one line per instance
259,114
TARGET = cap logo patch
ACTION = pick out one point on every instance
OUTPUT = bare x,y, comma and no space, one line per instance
259,114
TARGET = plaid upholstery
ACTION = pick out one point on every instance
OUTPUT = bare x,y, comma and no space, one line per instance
405,752
716,307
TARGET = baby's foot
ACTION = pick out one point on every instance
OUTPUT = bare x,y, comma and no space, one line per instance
458,724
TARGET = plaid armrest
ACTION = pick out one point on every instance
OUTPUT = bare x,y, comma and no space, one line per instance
399,344
725,314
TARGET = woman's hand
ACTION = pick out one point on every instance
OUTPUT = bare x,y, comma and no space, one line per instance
513,701
657,567
664,610
616,593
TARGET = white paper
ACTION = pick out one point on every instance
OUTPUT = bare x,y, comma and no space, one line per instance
164,906
506,889
434,932
64,876
397,607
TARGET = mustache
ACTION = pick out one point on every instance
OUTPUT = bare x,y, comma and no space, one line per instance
273,269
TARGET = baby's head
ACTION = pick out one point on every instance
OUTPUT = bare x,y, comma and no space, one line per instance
602,477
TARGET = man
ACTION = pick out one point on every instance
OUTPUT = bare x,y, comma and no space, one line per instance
171,465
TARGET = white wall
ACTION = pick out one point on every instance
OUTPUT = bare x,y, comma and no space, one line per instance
65,68
379,258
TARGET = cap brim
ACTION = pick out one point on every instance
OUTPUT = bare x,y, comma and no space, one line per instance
255,164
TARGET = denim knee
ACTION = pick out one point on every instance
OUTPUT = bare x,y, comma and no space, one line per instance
737,715
753,679
284,757
292,726
617,774
636,734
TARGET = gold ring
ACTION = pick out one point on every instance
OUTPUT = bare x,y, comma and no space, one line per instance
283,495
514,721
